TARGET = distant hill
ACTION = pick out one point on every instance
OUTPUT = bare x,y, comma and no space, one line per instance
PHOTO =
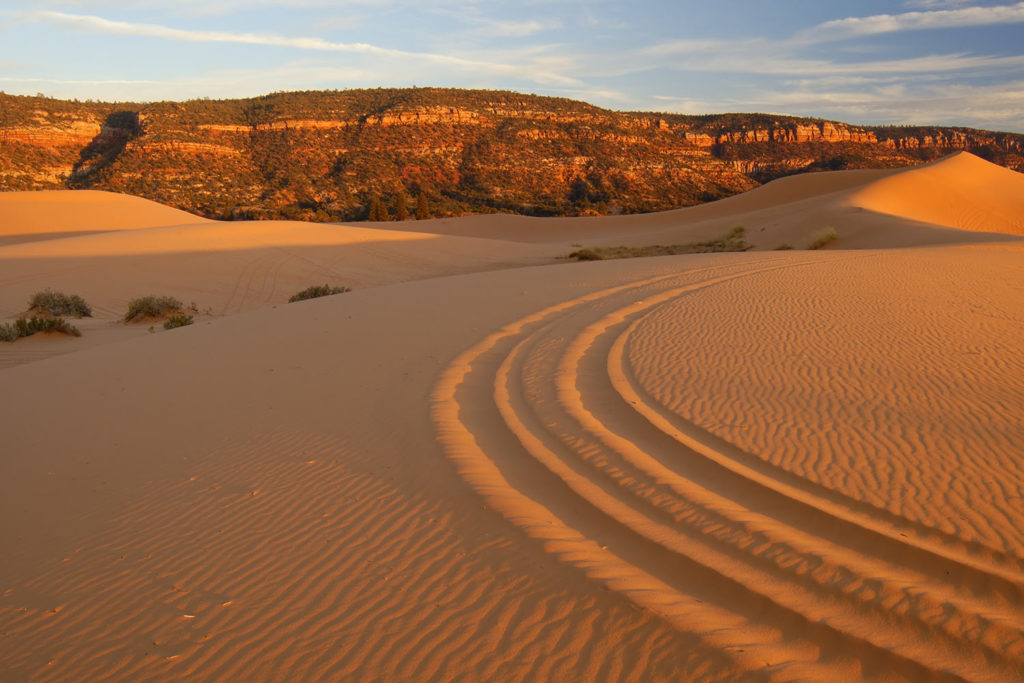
327,155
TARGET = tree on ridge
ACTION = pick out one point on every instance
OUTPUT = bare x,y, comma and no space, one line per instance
378,212
422,207
401,212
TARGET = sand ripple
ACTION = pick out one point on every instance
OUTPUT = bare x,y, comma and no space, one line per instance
586,424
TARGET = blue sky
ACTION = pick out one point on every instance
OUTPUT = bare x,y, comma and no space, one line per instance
948,62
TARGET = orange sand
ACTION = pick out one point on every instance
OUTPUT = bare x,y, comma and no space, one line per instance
485,464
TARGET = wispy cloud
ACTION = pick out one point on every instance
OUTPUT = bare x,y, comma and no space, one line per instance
935,4
97,24
916,21
908,103
785,57
78,81
598,50
516,29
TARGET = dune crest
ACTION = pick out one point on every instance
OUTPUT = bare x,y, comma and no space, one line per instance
29,216
959,191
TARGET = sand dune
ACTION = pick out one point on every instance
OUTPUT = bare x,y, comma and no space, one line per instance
31,216
777,465
918,206
961,191
245,265
223,268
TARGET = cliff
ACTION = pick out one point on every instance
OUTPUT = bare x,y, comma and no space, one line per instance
327,155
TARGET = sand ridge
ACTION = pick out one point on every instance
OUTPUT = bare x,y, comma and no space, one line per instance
960,191
930,204
32,216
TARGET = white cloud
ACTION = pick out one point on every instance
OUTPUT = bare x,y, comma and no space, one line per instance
999,107
96,24
916,65
516,29
915,21
699,46
935,4
64,81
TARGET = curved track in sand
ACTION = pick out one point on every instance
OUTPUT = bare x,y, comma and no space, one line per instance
546,420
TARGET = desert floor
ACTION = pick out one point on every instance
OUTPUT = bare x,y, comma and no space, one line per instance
490,463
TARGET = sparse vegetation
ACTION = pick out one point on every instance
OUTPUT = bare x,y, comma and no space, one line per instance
178,320
823,237
377,211
49,302
469,151
26,327
784,247
152,307
422,207
317,291
401,208
734,240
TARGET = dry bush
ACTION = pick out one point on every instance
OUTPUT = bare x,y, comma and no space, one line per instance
734,240
151,307
317,291
49,302
178,320
823,237
26,327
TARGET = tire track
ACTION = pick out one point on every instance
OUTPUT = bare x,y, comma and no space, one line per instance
544,420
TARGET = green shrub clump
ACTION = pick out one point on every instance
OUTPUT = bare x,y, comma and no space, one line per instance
823,237
26,327
317,291
49,302
149,307
178,320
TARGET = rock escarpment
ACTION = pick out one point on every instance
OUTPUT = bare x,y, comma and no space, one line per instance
328,155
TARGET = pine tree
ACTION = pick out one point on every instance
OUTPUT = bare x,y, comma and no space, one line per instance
422,207
378,212
401,212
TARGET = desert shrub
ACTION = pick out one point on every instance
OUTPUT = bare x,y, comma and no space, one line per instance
734,240
152,307
178,320
822,237
26,327
784,247
49,302
588,255
317,291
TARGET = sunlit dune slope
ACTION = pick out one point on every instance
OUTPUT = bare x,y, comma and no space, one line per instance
869,209
29,216
960,191
698,222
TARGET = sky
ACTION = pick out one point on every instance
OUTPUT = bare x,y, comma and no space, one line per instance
941,62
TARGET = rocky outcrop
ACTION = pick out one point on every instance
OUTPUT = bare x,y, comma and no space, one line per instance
952,139
184,147
327,155
424,116
75,134
824,131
